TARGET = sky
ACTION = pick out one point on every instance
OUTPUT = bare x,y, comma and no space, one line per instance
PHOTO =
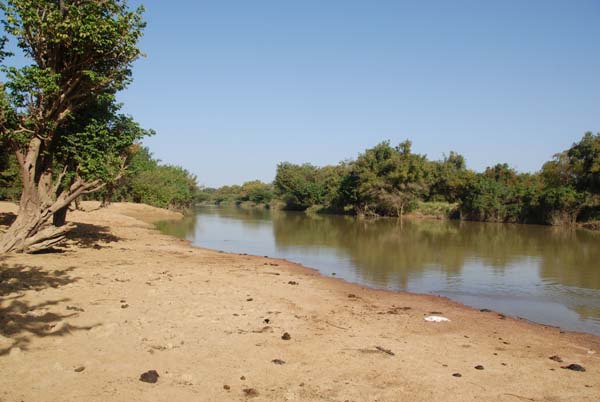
235,87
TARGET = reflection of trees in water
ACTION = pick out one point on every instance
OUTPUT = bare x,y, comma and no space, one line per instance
391,251
250,218
587,312
390,248
572,258
182,228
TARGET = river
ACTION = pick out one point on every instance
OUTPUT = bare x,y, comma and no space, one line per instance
544,274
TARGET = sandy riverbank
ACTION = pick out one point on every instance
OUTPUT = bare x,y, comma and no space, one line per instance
122,299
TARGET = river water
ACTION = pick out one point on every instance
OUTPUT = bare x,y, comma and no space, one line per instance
544,274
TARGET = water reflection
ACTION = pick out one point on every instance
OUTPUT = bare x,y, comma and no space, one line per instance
542,273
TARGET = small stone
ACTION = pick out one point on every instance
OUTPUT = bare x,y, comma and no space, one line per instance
574,367
243,378
556,358
485,310
286,336
278,361
352,296
124,305
249,299
250,392
384,350
79,369
15,352
149,377
479,367
226,387
457,375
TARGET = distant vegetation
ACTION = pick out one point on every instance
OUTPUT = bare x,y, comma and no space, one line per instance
382,181
144,180
251,194
148,181
391,180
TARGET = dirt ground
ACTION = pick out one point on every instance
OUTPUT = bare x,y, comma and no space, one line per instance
83,324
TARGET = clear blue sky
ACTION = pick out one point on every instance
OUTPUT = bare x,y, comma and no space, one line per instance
234,87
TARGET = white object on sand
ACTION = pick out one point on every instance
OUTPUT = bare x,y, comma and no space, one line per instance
436,318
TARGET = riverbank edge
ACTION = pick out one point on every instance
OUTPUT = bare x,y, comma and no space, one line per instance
417,215
341,329
353,287
153,215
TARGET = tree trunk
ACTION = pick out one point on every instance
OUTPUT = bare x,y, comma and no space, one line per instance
41,220
32,231
107,198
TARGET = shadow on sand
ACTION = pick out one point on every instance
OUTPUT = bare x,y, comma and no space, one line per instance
86,235
7,218
20,320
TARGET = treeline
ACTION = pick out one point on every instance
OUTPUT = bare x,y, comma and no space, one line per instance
391,180
143,180
251,194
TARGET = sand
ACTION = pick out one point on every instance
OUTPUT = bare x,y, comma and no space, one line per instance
121,299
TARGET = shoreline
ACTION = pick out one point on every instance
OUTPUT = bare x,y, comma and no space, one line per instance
203,319
592,226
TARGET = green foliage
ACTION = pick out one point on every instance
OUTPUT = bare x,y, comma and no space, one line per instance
391,181
227,195
572,182
436,209
577,167
204,195
59,112
386,180
561,205
147,181
252,193
82,53
10,181
97,142
584,158
301,186
165,186
449,177
256,192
